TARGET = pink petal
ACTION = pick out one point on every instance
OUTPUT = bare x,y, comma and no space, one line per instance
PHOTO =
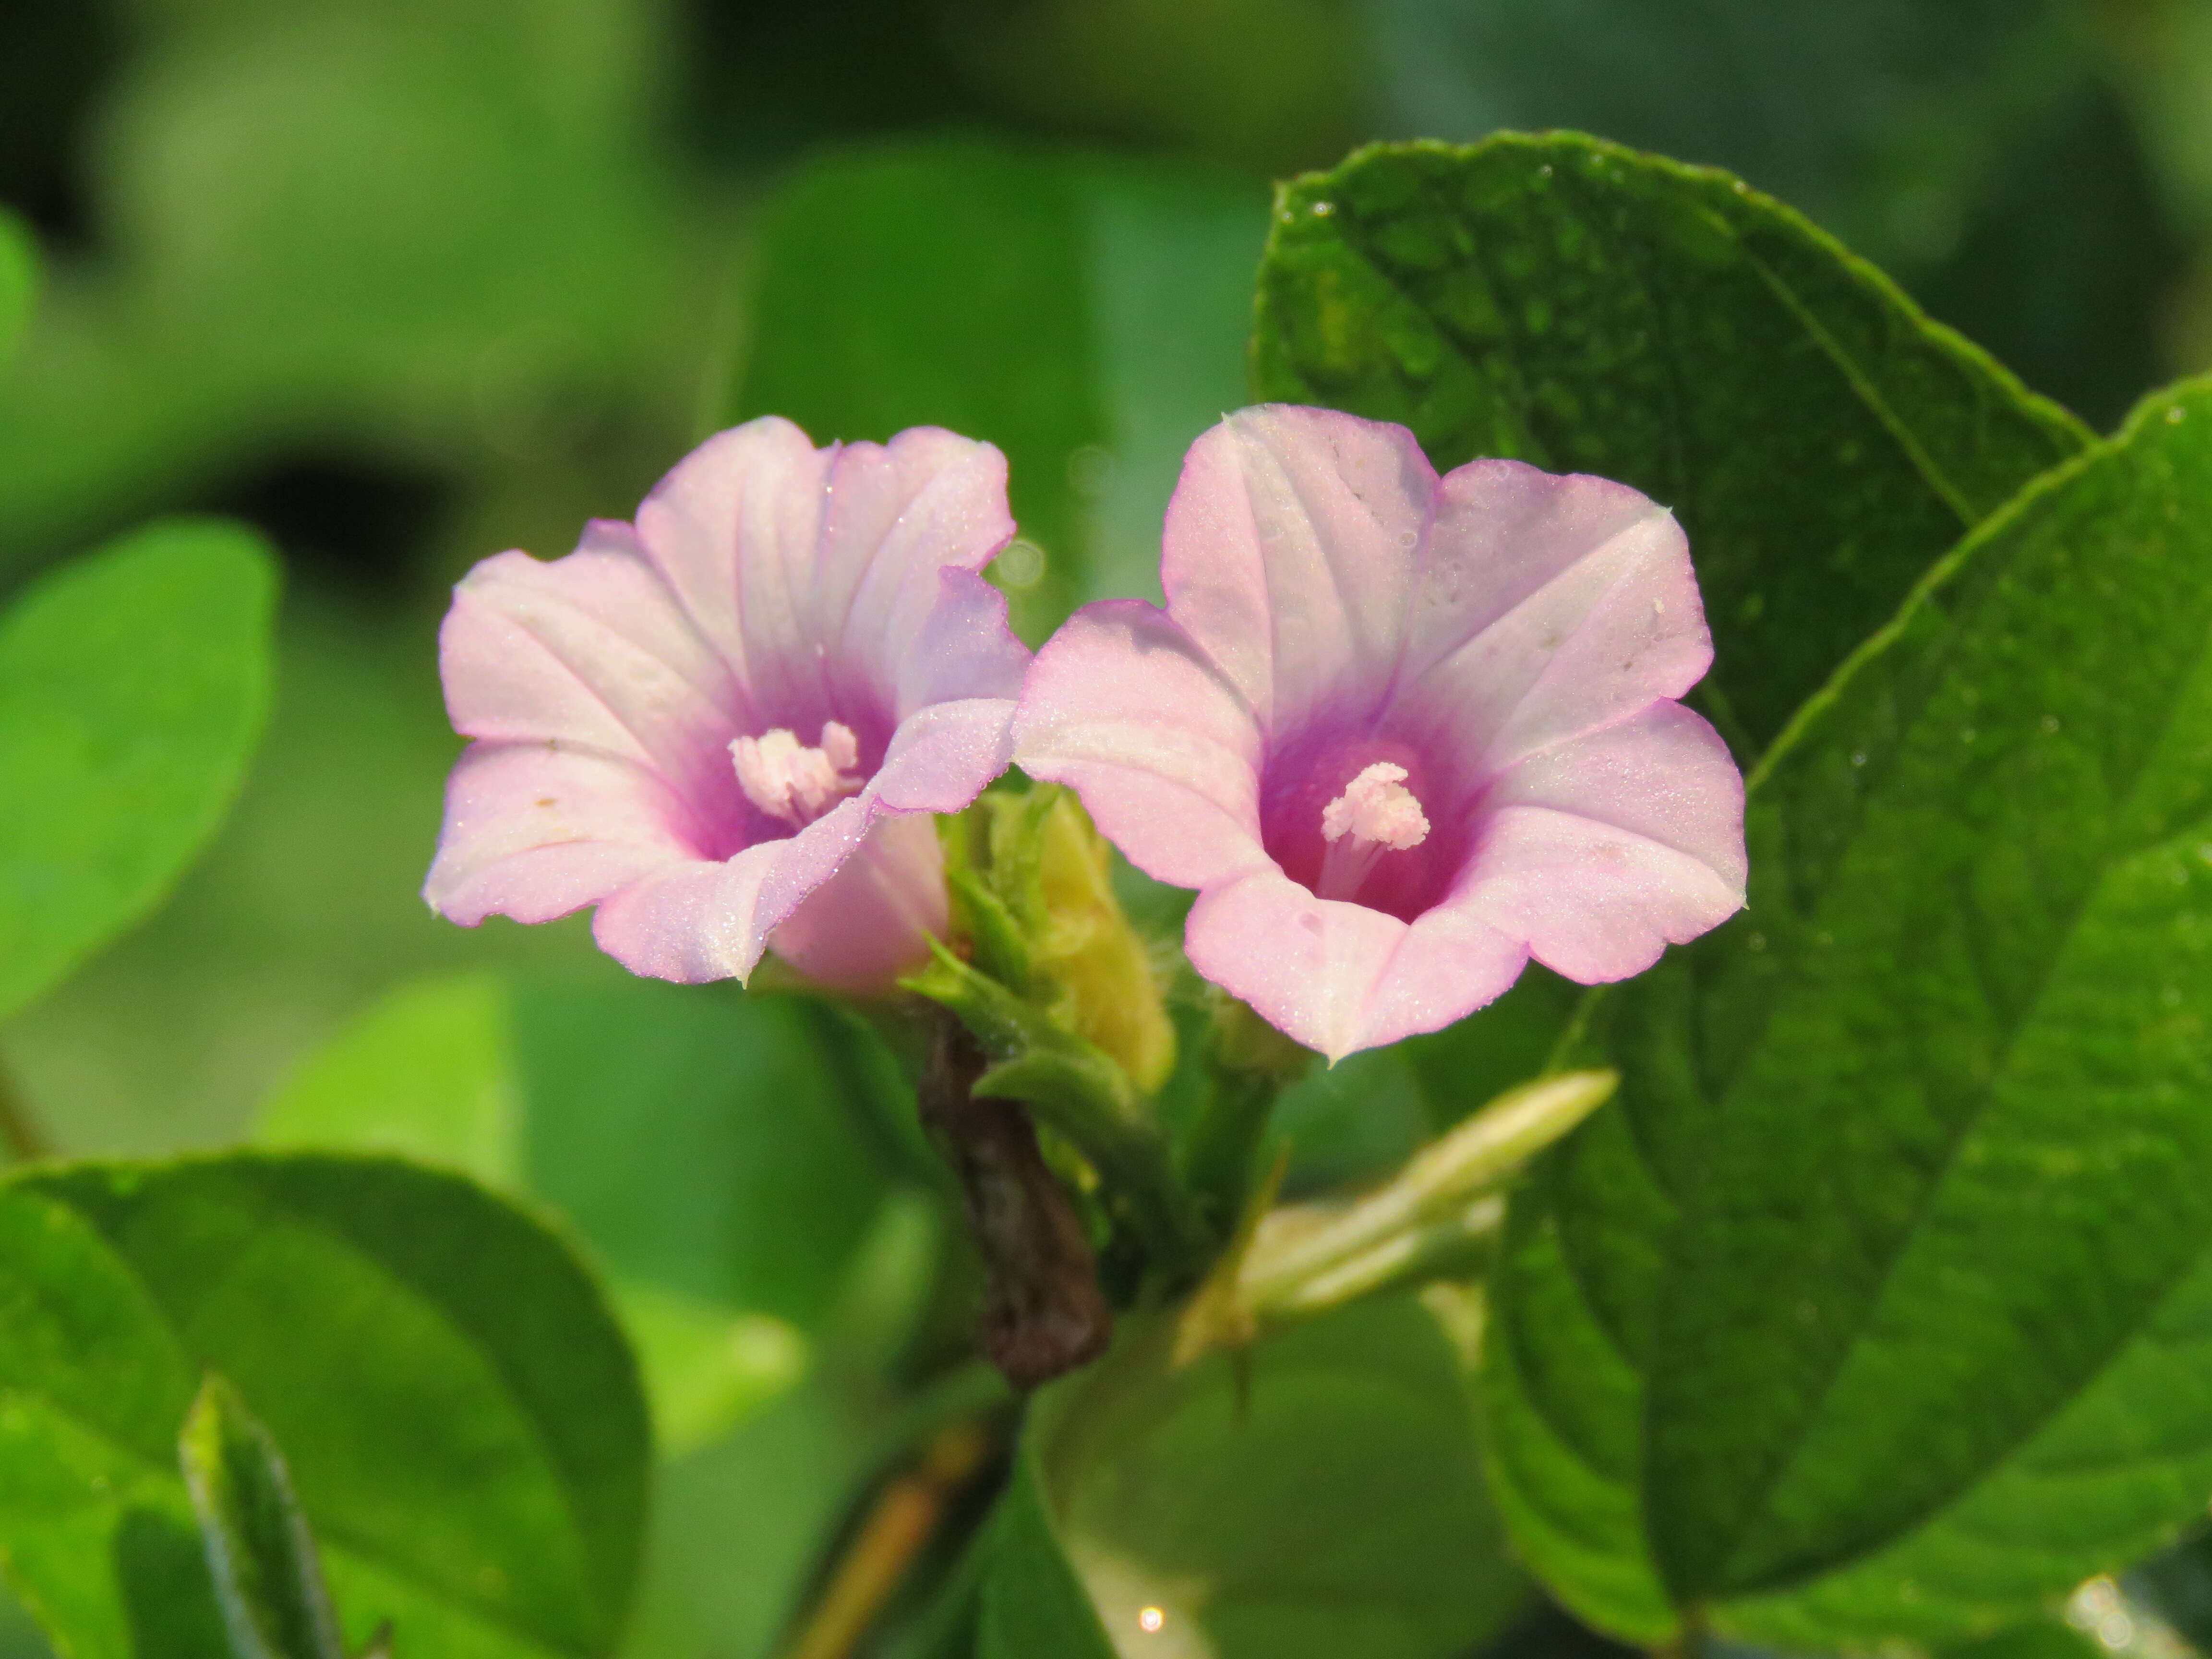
911,523
591,651
1596,616
871,921
817,573
1602,852
1290,556
1126,708
534,831
943,756
961,647
759,487
692,920
1341,977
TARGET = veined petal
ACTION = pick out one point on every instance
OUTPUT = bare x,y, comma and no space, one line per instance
1602,852
1290,554
1615,625
896,596
756,490
534,831
591,650
961,647
690,921
1122,706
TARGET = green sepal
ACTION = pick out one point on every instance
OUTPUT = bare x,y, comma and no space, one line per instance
1077,1091
260,1550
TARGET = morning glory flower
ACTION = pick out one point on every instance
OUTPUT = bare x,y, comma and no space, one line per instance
727,725
1401,732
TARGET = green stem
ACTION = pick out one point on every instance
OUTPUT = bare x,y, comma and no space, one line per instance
1446,1175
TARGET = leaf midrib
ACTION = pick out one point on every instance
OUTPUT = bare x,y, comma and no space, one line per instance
2109,855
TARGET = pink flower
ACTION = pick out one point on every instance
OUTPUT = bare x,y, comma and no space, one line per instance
727,725
1401,734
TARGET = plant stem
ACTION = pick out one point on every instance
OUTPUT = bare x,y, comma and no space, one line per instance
1043,1312
1490,1145
21,1136
899,1524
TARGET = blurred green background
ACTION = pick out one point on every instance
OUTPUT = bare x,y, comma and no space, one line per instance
406,284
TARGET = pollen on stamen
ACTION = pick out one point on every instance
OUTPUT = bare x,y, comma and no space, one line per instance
1376,806
1376,814
788,781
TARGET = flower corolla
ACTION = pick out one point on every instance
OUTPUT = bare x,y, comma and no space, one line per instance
727,725
1401,732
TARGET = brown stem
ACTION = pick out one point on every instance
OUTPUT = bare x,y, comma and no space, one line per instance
18,1134
897,1527
1044,1313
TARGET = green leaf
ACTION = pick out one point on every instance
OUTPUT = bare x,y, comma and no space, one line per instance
1086,316
460,1418
720,1148
1033,1605
261,1552
425,1071
1589,309
1318,1494
705,1141
1884,1307
134,685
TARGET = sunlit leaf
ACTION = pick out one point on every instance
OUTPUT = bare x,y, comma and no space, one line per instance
134,685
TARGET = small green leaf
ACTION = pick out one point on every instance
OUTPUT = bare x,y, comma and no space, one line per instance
459,1418
1880,1309
1579,306
134,685
1318,1494
260,1550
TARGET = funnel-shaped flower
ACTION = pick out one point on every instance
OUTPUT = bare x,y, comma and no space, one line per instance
724,725
1401,734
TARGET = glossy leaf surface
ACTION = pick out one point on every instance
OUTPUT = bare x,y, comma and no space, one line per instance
1589,309
1884,1304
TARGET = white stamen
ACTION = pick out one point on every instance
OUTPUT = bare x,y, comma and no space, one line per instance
1376,814
787,780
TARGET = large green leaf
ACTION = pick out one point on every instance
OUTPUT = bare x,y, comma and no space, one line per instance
1884,1304
461,1420
714,1150
1084,315
1590,309
1319,1494
134,685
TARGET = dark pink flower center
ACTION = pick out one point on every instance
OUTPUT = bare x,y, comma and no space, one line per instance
1367,820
